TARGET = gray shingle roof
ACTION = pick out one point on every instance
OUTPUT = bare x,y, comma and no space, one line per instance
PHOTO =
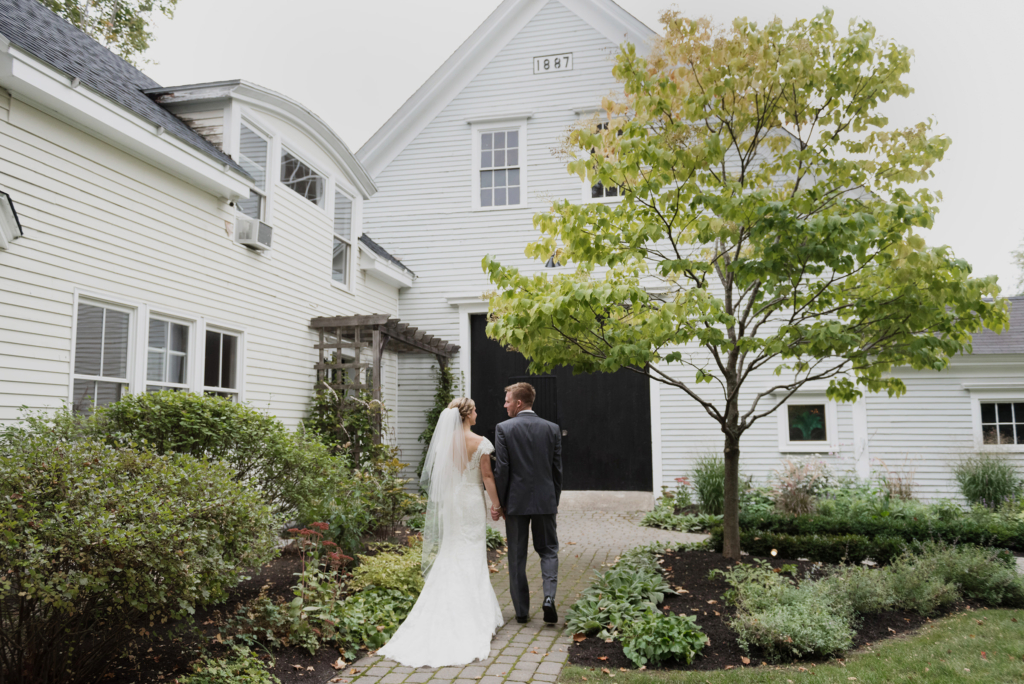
381,252
1010,341
37,30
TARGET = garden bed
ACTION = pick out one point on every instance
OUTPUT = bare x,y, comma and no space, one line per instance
690,570
177,646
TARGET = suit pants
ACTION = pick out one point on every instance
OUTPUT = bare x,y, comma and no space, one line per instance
545,542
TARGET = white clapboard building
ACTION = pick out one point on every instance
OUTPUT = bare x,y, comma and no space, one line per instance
460,170
168,238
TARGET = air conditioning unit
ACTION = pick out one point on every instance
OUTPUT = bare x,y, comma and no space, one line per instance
253,233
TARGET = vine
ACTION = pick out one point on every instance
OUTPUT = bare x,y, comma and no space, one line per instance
444,392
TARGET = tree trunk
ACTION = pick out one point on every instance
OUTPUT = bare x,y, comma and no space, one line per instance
731,521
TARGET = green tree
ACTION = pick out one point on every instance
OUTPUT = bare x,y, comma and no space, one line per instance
768,225
121,25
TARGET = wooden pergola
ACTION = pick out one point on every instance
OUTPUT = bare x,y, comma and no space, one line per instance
342,340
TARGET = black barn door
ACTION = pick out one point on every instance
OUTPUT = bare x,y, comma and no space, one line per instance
605,417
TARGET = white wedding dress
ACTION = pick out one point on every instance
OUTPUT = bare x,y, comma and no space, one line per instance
457,613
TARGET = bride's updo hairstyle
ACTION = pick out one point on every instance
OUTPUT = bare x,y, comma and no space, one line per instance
465,406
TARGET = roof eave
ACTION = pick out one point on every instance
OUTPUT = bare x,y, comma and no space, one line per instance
37,83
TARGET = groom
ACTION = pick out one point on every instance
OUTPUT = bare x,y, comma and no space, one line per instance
528,475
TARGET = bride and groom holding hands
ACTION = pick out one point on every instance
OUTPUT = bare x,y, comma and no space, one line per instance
457,613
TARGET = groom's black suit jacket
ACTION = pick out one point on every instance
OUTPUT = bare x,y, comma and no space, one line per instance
528,465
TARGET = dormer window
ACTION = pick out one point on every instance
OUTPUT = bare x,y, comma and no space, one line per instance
252,156
300,177
341,258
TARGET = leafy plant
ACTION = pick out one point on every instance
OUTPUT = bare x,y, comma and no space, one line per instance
494,539
242,667
444,392
797,485
349,424
664,517
656,637
988,479
290,470
800,628
94,537
709,483
391,567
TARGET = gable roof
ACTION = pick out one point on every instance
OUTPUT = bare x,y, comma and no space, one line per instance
381,252
1011,341
474,54
30,26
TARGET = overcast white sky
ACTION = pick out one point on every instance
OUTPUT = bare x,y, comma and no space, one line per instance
355,62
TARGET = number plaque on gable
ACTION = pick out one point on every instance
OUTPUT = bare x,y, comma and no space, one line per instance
559,62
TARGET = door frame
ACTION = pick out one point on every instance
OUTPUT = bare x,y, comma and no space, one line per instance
468,306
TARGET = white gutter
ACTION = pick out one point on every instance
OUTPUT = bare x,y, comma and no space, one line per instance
382,269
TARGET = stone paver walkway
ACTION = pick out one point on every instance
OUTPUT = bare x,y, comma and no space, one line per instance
534,652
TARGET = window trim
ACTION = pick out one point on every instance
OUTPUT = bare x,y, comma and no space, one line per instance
1004,393
268,180
807,398
353,239
107,301
190,354
491,125
239,361
286,148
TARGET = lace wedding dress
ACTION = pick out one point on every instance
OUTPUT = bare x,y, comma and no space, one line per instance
457,613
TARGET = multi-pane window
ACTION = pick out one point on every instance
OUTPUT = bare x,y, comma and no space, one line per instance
1002,423
499,168
599,190
220,374
252,157
301,178
101,356
807,423
342,253
167,357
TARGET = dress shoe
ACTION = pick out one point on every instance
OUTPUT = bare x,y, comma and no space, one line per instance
522,620
550,614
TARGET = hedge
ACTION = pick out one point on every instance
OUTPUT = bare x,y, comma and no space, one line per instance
1002,533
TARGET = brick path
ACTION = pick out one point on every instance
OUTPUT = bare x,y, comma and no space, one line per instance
533,652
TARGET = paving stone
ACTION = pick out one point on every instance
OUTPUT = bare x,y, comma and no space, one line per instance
498,670
532,657
419,677
377,671
541,677
447,673
491,680
519,676
556,657
367,680
505,659
550,668
526,666
403,670
472,672
393,678
388,663
464,681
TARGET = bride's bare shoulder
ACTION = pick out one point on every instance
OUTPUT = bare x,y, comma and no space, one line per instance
472,442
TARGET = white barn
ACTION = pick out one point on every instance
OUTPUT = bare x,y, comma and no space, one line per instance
462,167
168,237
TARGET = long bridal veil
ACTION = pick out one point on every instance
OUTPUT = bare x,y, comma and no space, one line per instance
442,473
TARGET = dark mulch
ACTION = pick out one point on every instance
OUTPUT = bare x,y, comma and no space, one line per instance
689,570
176,647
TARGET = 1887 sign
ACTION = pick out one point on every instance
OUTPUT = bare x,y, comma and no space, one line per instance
560,62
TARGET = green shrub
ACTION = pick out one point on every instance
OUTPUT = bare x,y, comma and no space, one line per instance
94,537
655,637
494,539
802,628
866,590
798,484
369,619
241,668
664,516
827,548
709,484
392,567
982,574
290,470
988,479
909,522
918,589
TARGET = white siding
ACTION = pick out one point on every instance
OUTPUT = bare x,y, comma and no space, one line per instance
423,208
99,219
209,124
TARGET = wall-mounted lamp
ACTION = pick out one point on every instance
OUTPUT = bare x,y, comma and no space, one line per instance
10,226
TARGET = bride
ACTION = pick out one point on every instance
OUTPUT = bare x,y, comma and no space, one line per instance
457,612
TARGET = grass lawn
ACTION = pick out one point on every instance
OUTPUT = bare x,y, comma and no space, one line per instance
985,645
